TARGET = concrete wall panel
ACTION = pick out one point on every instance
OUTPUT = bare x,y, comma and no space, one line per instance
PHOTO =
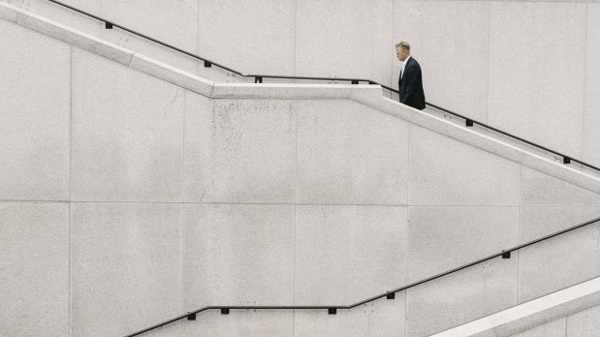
153,50
372,241
553,329
562,261
268,323
63,15
34,115
462,297
380,318
443,238
34,277
537,222
251,36
175,23
135,250
218,75
539,189
536,82
585,323
198,112
91,6
344,39
350,154
238,255
127,133
591,121
450,39
241,151
444,171
172,22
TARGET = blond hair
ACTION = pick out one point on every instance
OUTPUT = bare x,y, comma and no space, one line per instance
404,45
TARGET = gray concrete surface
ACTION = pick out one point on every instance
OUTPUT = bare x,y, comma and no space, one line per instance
202,199
340,148
382,318
34,124
370,239
585,323
459,298
569,312
251,151
553,329
126,143
455,227
443,172
238,254
550,114
126,267
34,269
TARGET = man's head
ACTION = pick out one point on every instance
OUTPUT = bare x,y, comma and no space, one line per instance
402,50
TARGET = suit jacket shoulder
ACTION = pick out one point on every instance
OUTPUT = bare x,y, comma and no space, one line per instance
412,63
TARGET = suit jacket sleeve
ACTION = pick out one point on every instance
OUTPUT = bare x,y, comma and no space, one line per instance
411,74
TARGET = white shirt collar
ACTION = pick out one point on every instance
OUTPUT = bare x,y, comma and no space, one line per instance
404,65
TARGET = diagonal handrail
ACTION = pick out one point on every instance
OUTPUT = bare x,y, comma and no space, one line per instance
259,79
332,309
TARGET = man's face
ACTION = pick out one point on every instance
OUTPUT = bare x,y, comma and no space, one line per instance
401,54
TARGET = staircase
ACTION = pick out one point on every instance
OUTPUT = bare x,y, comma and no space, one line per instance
160,192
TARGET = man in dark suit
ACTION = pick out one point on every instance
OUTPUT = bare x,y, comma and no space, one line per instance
410,81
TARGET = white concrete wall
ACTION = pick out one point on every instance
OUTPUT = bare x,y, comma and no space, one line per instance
155,201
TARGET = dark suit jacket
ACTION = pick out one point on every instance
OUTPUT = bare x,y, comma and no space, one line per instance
411,85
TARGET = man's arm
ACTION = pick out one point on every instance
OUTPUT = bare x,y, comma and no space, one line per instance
411,73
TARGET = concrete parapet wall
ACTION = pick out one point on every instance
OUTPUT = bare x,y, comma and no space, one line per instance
135,192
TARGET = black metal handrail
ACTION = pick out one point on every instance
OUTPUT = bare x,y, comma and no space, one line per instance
332,309
259,79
